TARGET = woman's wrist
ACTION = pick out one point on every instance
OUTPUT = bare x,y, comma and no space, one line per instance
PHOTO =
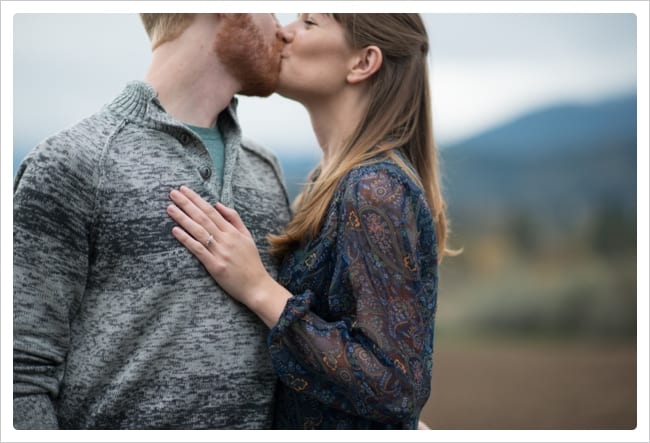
267,300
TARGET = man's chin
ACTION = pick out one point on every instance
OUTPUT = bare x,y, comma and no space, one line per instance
262,94
259,90
283,91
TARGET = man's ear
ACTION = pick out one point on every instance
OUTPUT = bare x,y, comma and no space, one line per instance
367,61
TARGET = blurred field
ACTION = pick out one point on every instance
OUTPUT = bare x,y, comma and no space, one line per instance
532,385
537,330
535,341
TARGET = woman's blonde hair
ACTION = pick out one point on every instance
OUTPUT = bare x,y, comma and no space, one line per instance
162,28
398,116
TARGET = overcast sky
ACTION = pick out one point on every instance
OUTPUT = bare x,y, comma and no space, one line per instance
485,69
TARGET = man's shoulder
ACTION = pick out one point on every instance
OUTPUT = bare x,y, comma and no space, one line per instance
258,150
90,131
77,147
266,164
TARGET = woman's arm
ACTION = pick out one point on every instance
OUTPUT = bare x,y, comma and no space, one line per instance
376,362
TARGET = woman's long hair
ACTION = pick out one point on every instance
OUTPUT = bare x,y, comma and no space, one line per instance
398,116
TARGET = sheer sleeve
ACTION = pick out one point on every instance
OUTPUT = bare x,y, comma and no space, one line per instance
376,362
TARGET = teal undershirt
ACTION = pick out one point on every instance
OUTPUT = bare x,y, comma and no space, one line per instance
211,137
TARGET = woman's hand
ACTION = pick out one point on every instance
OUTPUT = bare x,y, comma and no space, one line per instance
218,238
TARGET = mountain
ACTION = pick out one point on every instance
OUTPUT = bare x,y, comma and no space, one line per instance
556,164
560,127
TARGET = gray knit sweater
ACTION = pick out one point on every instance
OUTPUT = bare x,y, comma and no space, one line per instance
116,324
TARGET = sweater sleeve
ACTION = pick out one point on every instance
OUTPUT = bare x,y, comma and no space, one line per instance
377,363
53,201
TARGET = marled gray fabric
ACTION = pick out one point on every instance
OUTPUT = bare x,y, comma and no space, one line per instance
116,324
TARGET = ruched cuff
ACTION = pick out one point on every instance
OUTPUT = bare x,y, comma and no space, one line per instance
296,308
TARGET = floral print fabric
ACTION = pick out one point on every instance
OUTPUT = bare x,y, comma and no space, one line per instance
353,348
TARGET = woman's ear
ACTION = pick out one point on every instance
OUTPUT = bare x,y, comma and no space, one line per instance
367,61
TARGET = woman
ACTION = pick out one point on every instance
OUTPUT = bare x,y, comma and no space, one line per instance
352,313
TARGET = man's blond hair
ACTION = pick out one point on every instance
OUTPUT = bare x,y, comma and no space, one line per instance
162,28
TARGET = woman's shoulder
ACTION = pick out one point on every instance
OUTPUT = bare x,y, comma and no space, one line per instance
380,177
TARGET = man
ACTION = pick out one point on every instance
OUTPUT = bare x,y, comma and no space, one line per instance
116,324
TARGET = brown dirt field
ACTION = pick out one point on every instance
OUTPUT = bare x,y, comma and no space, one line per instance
532,386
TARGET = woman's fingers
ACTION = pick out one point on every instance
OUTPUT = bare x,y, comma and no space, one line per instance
198,210
204,207
200,233
200,220
193,211
194,246
231,216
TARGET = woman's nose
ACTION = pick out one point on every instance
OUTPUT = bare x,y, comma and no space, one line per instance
286,34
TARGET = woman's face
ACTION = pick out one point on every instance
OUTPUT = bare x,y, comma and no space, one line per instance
315,59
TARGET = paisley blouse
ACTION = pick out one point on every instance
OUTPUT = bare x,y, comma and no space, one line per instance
353,347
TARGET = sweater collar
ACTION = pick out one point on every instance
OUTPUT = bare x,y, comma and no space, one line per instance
139,102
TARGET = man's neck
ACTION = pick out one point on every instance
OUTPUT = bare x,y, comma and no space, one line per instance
192,86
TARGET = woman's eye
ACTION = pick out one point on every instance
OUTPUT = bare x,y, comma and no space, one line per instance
309,22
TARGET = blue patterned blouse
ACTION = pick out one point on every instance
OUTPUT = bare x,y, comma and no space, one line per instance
353,348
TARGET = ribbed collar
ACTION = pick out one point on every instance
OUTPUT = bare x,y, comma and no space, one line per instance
139,103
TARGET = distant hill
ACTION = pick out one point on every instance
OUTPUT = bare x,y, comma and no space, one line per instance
563,127
558,164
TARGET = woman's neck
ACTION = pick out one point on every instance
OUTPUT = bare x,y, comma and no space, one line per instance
335,120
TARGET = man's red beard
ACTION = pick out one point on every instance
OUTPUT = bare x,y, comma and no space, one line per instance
247,56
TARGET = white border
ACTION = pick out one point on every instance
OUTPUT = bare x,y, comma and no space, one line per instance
640,434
